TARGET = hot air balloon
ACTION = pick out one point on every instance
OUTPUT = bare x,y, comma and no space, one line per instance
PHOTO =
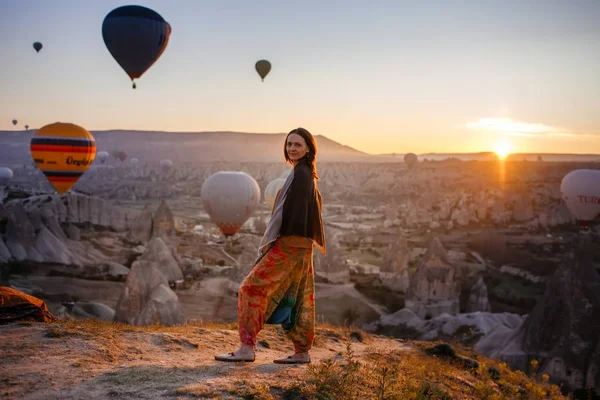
6,174
134,161
63,152
120,154
410,160
37,46
580,190
102,156
229,198
135,36
166,165
263,67
14,121
26,127
271,191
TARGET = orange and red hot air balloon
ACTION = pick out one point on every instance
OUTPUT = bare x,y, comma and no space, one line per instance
63,152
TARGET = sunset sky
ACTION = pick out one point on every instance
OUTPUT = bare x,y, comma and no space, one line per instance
380,76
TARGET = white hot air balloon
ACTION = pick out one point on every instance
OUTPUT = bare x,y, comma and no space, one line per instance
134,161
230,198
580,190
6,174
166,164
102,156
271,191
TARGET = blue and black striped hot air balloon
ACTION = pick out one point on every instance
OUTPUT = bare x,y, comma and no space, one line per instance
135,36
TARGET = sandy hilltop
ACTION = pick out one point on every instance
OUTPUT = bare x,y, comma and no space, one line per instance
99,360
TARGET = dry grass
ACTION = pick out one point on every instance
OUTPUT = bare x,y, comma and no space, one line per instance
101,359
416,375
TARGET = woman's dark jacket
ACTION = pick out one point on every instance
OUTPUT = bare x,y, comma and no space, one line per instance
302,207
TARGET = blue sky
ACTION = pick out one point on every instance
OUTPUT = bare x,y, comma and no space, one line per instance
380,76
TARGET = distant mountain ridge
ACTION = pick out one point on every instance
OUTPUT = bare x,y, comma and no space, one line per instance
187,147
208,146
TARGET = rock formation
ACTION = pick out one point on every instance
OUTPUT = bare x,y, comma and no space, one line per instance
434,288
140,230
332,266
478,299
394,270
563,331
147,298
160,253
163,223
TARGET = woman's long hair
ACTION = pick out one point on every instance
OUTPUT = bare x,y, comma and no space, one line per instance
311,156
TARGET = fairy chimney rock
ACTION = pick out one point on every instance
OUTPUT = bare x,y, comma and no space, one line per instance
434,289
163,221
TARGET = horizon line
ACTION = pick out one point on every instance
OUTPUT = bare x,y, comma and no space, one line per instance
480,152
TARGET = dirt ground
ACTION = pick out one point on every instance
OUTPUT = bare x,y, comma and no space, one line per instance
99,360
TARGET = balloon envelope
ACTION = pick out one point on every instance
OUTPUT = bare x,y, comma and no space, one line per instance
230,198
271,191
37,46
410,159
135,36
166,164
26,127
263,67
580,190
6,174
14,121
102,156
63,152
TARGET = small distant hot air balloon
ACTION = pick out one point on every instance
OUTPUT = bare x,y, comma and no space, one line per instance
122,156
410,160
580,190
230,198
37,46
136,37
271,191
26,127
263,67
102,156
6,174
166,165
63,152
14,121
134,161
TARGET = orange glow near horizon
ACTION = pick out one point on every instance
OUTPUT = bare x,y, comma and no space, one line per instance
502,149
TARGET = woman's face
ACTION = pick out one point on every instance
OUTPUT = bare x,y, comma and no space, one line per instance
296,147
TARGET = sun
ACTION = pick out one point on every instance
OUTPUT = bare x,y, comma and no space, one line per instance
502,149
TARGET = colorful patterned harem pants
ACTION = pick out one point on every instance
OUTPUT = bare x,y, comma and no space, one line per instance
280,289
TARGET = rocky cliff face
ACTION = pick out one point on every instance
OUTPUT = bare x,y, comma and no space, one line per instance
563,331
43,229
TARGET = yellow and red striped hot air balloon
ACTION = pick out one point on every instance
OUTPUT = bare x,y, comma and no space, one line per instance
63,152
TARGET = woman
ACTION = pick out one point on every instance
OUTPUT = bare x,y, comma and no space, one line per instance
280,288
